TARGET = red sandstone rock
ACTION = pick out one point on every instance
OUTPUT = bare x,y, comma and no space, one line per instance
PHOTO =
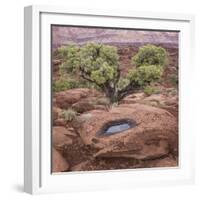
154,136
59,164
60,137
66,99
59,122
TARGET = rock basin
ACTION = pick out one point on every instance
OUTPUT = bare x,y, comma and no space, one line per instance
154,136
114,127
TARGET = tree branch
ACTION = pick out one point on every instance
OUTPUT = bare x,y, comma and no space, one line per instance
82,74
118,75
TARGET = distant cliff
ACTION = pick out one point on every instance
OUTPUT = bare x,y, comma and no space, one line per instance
62,35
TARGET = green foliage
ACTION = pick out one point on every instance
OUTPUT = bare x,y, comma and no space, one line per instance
145,75
98,65
69,115
150,55
99,62
70,56
149,62
66,84
149,90
61,52
103,74
61,85
123,82
93,56
96,62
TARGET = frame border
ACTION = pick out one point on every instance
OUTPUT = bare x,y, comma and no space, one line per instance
32,77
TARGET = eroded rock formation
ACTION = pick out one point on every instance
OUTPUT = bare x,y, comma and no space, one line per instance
154,136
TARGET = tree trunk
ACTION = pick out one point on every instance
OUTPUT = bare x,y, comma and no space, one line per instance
111,93
115,96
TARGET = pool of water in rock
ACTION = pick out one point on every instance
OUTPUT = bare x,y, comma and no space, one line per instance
116,127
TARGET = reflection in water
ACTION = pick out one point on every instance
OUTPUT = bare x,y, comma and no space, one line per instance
114,127
117,128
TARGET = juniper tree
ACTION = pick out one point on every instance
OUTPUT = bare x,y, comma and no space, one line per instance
99,64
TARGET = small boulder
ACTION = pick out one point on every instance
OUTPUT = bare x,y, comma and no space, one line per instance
133,98
88,104
56,112
59,164
66,99
166,162
84,105
59,122
169,103
58,117
61,137
83,166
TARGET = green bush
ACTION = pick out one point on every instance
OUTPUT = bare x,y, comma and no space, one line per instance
150,55
97,66
69,56
94,63
66,84
145,75
149,90
69,114
60,85
61,52
123,82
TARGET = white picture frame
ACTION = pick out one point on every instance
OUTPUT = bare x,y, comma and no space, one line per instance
37,64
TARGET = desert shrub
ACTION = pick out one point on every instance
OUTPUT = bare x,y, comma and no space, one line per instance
60,53
60,85
95,63
66,84
69,114
85,84
149,90
123,82
69,56
150,55
145,74
98,65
